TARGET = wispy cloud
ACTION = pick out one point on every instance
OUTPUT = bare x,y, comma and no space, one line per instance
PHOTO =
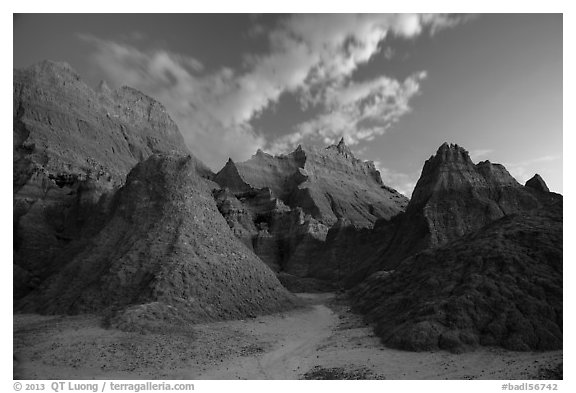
439,22
357,111
402,182
353,110
478,154
524,170
311,56
192,99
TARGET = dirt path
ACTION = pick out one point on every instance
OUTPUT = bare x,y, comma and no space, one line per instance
322,340
299,335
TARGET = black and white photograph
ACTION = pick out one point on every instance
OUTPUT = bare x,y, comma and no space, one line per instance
287,196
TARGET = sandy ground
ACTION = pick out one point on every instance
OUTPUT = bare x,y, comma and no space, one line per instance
322,339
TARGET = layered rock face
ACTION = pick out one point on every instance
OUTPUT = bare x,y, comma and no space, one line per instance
453,197
457,196
66,126
328,184
164,252
72,147
283,206
501,285
284,238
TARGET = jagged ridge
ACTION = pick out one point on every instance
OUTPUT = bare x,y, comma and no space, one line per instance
453,197
282,206
328,184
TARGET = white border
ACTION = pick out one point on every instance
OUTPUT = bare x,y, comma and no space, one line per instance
35,6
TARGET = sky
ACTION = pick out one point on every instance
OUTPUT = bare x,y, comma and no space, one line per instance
395,86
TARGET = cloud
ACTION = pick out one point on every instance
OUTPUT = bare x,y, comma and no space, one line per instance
359,110
437,22
338,44
310,56
477,154
402,182
524,170
191,99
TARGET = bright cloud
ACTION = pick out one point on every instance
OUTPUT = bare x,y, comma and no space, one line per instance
359,111
477,154
402,182
524,170
311,56
193,101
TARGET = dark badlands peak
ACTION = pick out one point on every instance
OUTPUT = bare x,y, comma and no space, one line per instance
537,183
452,169
454,196
475,260
343,148
451,152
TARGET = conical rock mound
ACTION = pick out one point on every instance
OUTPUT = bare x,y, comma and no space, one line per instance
164,252
72,149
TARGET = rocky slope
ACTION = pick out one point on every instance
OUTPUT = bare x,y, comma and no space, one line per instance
73,146
164,252
501,285
283,206
476,259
